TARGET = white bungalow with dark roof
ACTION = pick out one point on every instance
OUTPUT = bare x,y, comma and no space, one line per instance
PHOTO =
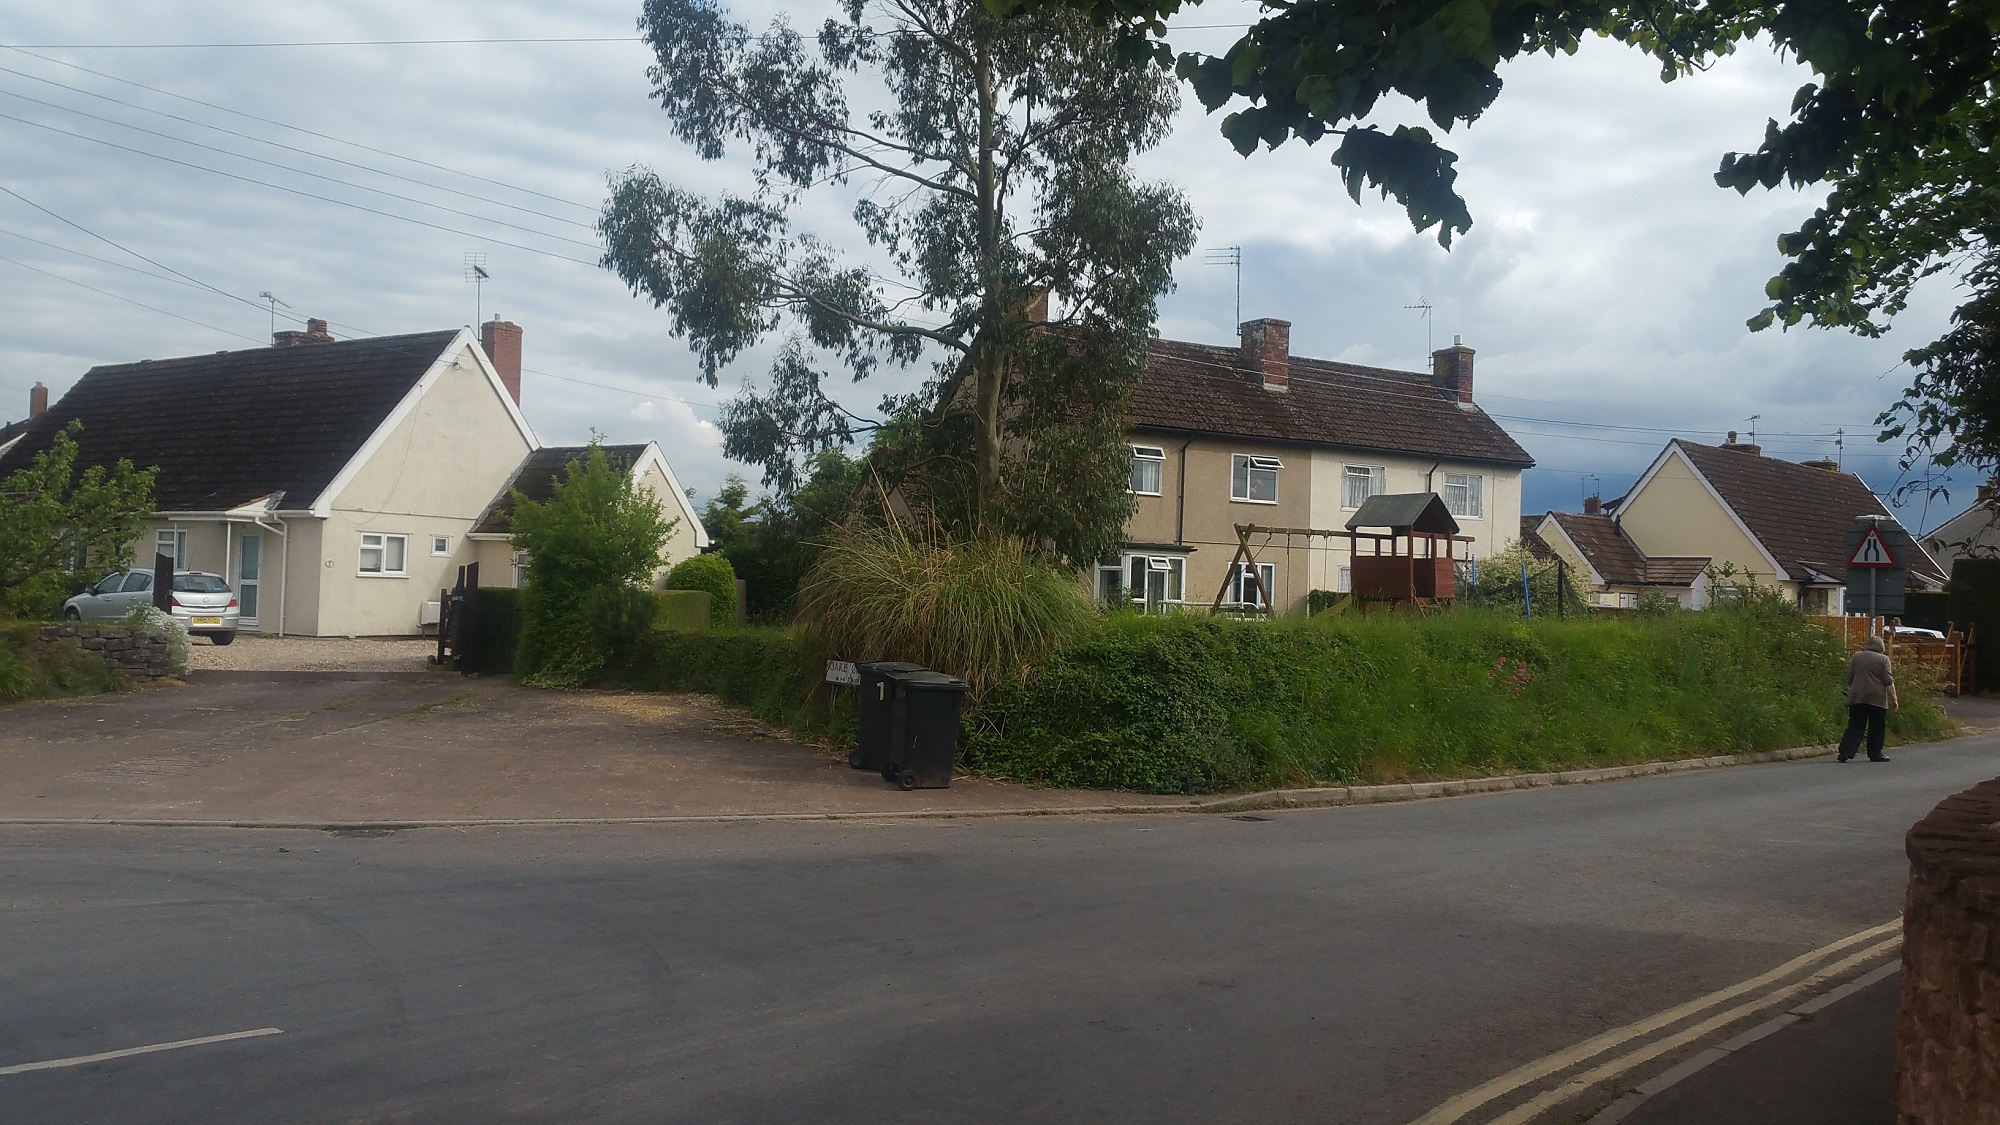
337,485
1252,434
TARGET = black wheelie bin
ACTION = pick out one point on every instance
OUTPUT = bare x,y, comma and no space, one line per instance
881,713
926,746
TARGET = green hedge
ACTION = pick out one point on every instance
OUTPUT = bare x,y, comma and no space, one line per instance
685,610
713,574
1927,611
1194,704
773,672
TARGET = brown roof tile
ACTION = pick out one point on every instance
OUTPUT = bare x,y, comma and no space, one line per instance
1201,388
536,479
1615,558
229,428
1799,513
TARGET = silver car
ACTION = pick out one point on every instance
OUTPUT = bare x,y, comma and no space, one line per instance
202,602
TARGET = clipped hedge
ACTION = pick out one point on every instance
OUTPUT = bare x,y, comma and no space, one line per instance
713,574
773,672
1188,704
685,610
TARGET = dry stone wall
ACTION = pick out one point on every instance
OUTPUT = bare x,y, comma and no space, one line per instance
135,656
1948,1029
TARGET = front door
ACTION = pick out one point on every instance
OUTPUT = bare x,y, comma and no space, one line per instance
249,578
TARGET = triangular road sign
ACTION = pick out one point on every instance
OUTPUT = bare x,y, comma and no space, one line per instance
1873,551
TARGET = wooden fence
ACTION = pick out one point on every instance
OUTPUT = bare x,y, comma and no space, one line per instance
1948,661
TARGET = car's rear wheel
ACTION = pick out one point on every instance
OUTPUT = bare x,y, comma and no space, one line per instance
222,638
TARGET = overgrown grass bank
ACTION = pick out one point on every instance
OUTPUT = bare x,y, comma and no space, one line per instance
1193,704
29,670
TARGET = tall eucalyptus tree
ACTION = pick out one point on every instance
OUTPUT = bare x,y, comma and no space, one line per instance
989,163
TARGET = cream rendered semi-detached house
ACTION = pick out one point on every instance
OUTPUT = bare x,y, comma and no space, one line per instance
1255,435
335,484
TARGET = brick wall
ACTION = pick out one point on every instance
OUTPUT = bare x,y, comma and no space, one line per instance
1948,1029
136,657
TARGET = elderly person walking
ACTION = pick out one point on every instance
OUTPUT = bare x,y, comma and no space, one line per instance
1871,691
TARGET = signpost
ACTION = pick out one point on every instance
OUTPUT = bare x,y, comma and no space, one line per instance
1875,546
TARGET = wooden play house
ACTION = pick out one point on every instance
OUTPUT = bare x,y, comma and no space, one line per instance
1402,547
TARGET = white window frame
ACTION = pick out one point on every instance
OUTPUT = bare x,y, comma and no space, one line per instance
1343,580
1156,457
176,542
1173,567
381,544
1252,464
1378,483
440,546
1240,584
1472,495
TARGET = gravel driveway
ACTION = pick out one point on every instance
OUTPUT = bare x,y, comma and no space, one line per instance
312,654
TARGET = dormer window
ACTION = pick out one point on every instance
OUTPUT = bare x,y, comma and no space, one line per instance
1147,464
1254,480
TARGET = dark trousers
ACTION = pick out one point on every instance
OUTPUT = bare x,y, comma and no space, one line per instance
1864,717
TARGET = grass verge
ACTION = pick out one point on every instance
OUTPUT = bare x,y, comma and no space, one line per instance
30,669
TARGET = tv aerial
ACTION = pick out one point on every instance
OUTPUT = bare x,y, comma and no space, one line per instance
1231,256
274,302
475,272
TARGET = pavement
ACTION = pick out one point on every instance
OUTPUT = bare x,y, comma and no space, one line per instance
334,747
1360,965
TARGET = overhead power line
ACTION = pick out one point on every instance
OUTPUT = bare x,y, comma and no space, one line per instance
127,300
127,249
266,141
295,128
307,194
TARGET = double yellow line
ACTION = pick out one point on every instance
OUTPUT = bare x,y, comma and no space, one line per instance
1764,991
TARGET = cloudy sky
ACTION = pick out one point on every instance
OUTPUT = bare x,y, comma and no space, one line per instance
153,192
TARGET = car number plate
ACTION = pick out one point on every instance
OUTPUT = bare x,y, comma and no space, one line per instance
208,620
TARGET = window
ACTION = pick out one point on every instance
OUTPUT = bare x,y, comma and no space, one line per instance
1343,582
1243,584
1110,584
174,545
441,546
199,584
138,582
1360,482
1147,461
1254,480
1462,494
1154,581
110,585
385,555
520,569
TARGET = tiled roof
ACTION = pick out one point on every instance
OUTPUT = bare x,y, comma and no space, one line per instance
1201,388
1615,558
232,427
1618,560
1799,513
536,479
1531,538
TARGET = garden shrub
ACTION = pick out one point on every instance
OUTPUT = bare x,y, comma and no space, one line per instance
686,610
591,549
984,609
713,574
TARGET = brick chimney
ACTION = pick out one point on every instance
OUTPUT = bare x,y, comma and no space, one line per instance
1593,506
38,400
1267,351
1451,370
315,333
502,341
1829,466
1735,446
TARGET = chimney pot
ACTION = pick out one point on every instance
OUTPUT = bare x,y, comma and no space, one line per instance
1267,351
38,400
1451,370
1735,446
501,340
1593,505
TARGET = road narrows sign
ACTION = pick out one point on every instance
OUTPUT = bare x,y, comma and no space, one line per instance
1872,551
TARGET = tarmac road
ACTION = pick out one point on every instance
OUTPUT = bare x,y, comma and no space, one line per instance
1354,965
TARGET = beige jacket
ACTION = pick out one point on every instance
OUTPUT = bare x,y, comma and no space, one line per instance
1869,676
